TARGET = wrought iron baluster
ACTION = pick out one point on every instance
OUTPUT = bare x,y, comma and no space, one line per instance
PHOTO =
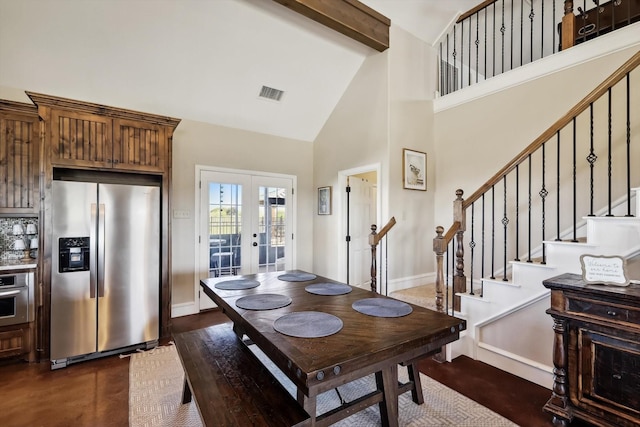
483,241
493,231
455,69
477,43
628,145
493,35
591,158
575,212
541,28
583,15
613,15
505,222
502,30
517,258
469,62
553,21
543,195
486,74
462,55
512,26
442,87
446,282
558,186
609,160
529,225
531,16
447,79
521,32
472,244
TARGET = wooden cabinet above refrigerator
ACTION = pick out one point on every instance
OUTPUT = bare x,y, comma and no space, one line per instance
19,160
86,135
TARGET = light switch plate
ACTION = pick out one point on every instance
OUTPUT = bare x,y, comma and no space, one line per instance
181,214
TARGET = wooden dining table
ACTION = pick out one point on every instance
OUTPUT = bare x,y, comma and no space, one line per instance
365,344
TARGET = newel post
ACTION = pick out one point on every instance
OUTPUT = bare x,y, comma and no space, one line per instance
459,279
568,25
374,269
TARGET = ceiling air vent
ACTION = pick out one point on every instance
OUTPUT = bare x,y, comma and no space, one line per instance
271,93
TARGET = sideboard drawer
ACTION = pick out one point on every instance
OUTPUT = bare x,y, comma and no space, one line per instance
603,310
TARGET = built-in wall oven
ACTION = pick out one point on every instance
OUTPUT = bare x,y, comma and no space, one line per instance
16,298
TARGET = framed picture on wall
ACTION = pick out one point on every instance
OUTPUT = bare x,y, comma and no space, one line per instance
324,200
414,169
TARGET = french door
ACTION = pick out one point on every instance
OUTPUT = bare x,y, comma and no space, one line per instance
245,224
362,213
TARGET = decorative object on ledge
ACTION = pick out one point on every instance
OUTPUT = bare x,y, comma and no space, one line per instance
23,242
414,169
324,200
604,270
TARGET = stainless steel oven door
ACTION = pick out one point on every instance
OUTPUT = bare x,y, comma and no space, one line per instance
14,305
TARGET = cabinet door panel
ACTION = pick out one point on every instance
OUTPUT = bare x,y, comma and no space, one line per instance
139,146
81,139
18,162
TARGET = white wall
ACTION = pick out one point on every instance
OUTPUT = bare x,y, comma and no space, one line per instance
386,108
197,143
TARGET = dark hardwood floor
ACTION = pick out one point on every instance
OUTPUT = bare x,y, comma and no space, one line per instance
95,393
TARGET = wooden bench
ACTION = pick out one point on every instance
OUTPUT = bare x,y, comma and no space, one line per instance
230,385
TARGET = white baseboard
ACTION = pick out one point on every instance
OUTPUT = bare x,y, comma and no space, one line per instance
515,364
184,309
410,282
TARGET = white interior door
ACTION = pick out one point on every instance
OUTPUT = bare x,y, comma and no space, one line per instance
245,225
362,213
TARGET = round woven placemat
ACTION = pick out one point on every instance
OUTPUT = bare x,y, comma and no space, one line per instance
297,277
382,307
308,324
237,284
328,289
263,301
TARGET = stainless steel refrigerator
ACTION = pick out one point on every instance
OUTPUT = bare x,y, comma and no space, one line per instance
105,269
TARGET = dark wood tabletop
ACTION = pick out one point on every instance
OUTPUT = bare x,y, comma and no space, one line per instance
365,344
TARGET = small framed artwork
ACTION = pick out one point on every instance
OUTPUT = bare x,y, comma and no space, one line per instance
324,200
414,169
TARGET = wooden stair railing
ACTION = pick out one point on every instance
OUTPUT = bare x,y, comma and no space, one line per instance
374,239
618,158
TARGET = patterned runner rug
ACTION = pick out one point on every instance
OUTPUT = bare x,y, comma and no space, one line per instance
155,393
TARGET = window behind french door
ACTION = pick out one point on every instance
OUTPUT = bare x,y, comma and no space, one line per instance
245,224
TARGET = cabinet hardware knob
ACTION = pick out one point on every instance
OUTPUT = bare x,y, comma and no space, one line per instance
617,376
255,243
611,313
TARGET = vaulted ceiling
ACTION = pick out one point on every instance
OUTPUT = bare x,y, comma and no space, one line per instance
203,60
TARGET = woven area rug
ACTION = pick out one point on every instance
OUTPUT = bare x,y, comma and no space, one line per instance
155,392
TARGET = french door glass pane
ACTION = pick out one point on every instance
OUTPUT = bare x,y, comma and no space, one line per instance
271,225
225,229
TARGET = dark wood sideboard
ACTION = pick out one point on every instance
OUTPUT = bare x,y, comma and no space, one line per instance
596,352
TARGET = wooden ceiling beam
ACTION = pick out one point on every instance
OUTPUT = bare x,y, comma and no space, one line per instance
349,17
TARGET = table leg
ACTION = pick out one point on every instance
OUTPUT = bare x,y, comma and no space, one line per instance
309,405
387,381
186,392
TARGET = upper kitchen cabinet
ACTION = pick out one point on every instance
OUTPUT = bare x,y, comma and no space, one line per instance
85,135
19,160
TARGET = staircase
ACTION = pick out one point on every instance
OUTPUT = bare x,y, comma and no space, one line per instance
533,219
510,315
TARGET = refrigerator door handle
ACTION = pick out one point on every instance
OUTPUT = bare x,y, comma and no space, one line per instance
92,260
101,251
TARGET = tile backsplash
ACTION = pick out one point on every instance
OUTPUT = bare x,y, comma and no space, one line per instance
7,238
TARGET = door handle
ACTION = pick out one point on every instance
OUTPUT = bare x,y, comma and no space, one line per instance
93,272
101,235
9,293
